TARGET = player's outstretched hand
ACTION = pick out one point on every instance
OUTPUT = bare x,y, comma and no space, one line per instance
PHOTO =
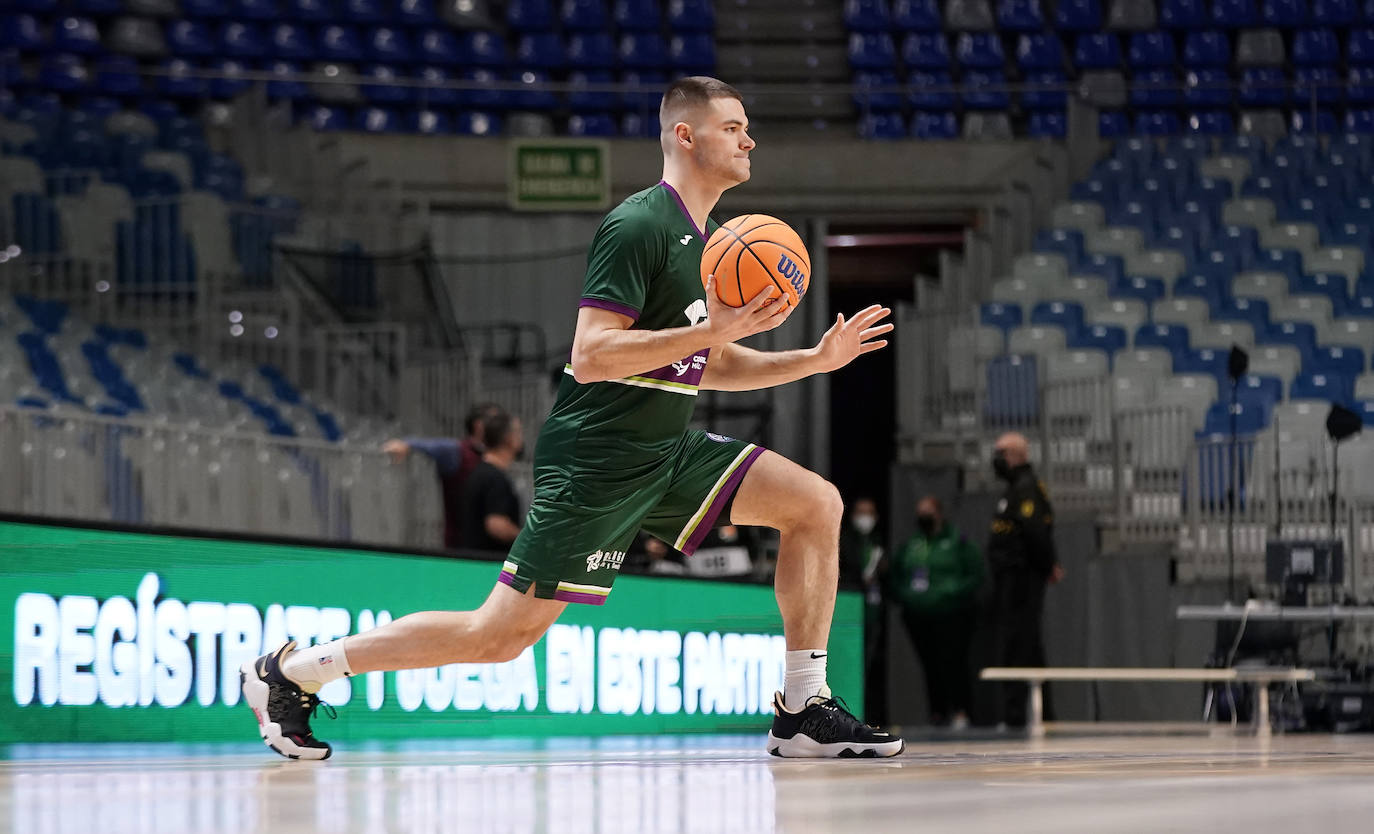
848,338
730,324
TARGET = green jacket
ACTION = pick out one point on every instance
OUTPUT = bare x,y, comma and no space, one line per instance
939,575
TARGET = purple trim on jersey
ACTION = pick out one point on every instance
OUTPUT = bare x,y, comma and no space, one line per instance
708,521
574,596
691,376
685,213
614,307
507,577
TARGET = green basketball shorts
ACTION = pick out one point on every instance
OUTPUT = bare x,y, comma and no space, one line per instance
577,532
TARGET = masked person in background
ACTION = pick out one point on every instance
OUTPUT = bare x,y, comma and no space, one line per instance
935,577
1023,560
861,565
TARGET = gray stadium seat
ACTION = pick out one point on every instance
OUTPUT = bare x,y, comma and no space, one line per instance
1249,211
529,124
1115,240
1104,89
1161,263
1304,237
1194,392
1282,361
466,14
127,121
154,8
1126,312
1353,332
1314,309
1132,391
993,127
1131,15
329,88
1147,362
1225,167
1259,48
1264,124
1364,387
1188,311
1302,418
1017,291
1043,267
1221,335
137,36
1040,341
1076,364
1080,215
969,16
1344,260
1085,289
1259,284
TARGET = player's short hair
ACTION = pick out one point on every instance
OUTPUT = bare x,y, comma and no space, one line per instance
496,428
686,95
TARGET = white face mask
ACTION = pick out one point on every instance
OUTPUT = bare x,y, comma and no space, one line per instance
864,523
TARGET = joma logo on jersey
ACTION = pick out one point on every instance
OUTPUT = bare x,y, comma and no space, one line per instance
696,312
793,273
605,559
682,367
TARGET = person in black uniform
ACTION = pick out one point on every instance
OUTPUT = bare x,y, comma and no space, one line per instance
1023,563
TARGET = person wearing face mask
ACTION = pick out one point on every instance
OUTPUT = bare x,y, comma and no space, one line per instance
1022,556
935,577
491,511
862,563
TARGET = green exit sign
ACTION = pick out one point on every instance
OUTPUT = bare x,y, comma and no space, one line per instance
560,175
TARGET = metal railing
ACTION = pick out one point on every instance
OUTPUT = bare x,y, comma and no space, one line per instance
80,466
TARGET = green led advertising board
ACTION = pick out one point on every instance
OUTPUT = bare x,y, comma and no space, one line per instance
119,636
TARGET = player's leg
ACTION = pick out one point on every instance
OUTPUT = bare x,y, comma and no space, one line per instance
280,687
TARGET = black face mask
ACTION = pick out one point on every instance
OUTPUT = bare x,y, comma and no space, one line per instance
926,524
1000,467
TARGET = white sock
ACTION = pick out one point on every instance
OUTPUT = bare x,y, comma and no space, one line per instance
315,666
804,677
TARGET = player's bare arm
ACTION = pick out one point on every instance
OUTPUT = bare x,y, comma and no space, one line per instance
738,368
604,346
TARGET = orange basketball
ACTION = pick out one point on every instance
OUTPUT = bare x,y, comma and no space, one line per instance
753,252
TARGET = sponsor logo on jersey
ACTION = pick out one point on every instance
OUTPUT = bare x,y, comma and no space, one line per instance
788,269
605,559
686,239
696,312
719,438
685,365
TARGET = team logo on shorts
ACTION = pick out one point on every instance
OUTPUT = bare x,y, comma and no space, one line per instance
605,559
719,438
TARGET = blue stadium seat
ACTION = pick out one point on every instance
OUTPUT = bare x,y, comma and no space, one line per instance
480,124
376,120
1020,16
641,15
1154,90
391,46
1285,261
646,50
190,39
435,96
917,15
421,13
1253,311
117,75
650,93
1012,390
1288,14
92,8
292,42
935,126
1365,408
179,81
1183,14
1334,12
1078,15
1316,48
1350,234
869,95
1003,316
1341,360
1211,123
1065,315
1146,288
1171,337
980,50
929,91
981,91
691,16
592,124
439,46
1151,50
582,100
1039,51
484,49
1097,50
1110,268
255,10
340,43
482,96
1157,123
884,125
1359,121
307,11
530,15
1299,334
285,85
1109,338
1260,389
1046,90
591,50
325,118
921,50
1243,240
1066,242
1359,86
242,40
532,94
1234,14
1322,82
63,73
541,51
1327,284
1209,361
1250,418
867,16
1263,87
1336,388
1206,49
21,32
694,52
77,35
385,90
1201,285
1208,88
1360,48
365,12
429,122
639,125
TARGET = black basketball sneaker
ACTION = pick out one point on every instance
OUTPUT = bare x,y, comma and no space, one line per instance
825,729
283,709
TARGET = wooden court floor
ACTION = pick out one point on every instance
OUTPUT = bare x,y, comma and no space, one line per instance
706,784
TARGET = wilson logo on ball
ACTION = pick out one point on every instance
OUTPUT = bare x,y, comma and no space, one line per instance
793,273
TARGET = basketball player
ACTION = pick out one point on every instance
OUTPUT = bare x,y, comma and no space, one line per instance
615,456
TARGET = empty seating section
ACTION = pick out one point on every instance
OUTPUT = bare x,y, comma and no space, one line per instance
122,53
1153,67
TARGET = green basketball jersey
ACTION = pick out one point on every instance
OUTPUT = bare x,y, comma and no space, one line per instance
645,262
